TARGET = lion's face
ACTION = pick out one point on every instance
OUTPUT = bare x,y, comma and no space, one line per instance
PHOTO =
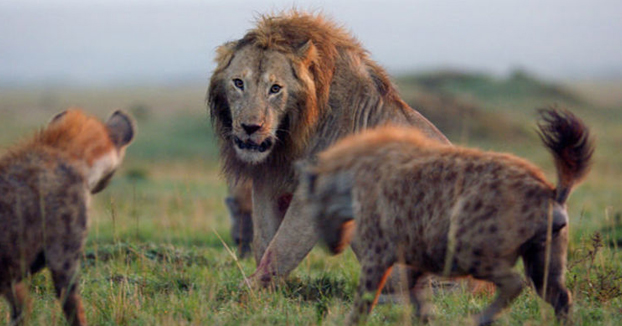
258,85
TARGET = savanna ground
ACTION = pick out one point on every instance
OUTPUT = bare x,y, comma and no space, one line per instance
157,251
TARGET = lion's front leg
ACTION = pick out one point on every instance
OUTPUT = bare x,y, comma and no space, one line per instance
267,217
294,239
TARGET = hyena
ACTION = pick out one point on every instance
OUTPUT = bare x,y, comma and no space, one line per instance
240,205
449,211
45,188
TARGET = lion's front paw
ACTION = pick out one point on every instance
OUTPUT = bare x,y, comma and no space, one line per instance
246,283
259,280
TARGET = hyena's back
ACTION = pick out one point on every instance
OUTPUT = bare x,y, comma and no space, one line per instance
457,199
42,211
431,191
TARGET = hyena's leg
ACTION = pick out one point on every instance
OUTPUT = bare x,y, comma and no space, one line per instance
419,295
509,285
17,296
245,229
63,260
535,262
66,286
400,284
374,273
241,226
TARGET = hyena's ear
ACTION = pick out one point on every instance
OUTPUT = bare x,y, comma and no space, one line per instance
311,177
232,205
57,117
307,176
121,128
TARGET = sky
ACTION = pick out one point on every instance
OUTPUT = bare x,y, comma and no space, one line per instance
140,41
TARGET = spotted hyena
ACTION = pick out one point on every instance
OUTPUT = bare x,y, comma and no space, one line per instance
240,205
45,188
449,211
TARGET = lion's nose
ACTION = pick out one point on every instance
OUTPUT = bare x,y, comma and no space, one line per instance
250,129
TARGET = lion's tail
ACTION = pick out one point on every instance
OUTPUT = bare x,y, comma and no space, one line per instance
568,139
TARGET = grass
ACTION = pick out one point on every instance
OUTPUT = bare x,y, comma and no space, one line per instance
156,250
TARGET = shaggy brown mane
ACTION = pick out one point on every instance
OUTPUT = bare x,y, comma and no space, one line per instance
314,44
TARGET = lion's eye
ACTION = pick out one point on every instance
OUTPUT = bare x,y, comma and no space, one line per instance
275,89
238,83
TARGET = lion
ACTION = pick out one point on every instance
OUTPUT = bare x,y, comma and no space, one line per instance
450,211
288,89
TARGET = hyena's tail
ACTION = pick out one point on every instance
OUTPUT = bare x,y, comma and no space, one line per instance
568,139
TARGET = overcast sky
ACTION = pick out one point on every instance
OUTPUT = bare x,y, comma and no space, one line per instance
106,41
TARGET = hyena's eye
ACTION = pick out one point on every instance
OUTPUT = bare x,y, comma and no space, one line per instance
238,83
275,89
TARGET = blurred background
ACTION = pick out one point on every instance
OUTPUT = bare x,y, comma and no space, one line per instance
104,42
477,69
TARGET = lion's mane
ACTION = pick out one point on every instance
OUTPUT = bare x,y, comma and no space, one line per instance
322,54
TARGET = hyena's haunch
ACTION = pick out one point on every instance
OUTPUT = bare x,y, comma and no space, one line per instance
45,188
451,211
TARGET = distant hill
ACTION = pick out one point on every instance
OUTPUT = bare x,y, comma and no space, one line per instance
460,119
519,84
476,105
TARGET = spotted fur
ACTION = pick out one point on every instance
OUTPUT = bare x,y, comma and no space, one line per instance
449,211
45,186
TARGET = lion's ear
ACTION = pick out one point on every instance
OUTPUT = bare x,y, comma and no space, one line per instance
224,53
308,53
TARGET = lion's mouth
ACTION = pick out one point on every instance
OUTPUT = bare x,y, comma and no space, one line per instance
252,146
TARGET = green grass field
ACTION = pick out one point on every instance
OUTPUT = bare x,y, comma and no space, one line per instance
157,251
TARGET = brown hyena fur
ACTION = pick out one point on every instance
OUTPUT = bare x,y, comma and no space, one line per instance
450,211
45,188
240,205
